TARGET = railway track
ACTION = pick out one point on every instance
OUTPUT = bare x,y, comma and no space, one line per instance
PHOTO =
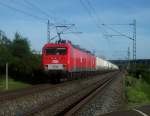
9,95
72,110
15,94
70,103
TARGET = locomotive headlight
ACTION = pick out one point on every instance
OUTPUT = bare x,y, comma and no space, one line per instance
46,67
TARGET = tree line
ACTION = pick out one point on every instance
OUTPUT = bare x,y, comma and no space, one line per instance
23,62
140,71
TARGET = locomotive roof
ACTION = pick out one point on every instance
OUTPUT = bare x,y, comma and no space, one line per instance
82,49
73,45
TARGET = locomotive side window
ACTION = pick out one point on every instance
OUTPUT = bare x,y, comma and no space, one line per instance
56,51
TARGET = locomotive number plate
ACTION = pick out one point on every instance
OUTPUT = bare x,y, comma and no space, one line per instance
55,67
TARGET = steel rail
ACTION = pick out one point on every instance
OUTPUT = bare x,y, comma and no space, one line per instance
53,107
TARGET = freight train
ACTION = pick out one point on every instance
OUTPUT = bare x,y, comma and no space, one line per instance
63,60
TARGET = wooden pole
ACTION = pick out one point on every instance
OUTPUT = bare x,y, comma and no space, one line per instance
6,76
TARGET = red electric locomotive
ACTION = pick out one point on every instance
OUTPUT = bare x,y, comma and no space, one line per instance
63,60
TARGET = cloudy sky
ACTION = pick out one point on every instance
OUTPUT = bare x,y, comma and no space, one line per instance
88,17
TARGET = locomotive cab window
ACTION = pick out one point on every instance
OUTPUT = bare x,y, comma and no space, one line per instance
56,51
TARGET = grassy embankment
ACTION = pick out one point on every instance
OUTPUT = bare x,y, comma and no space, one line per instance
12,84
137,91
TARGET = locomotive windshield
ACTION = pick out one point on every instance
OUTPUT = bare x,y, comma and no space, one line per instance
56,51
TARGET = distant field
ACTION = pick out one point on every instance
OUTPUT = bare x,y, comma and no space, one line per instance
12,84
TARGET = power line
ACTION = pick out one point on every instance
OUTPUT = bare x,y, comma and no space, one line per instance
22,11
94,11
86,8
131,38
54,17
47,15
96,19
90,9
19,3
30,5
90,5
112,28
34,16
121,34
38,8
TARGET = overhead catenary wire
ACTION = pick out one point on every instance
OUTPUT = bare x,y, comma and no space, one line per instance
38,8
92,13
91,42
121,34
23,12
48,15
92,8
53,18
19,3
105,25
50,18
64,30
28,5
85,6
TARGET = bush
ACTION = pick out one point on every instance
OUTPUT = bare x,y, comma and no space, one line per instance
137,91
23,64
140,71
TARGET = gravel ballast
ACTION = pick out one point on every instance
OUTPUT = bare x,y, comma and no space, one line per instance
17,106
111,99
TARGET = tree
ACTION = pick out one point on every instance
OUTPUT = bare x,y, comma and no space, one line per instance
22,61
5,54
20,47
20,50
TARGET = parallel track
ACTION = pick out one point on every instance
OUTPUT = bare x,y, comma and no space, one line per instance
14,94
70,103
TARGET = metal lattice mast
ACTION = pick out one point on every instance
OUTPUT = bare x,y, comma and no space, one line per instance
133,38
128,58
48,31
128,53
134,41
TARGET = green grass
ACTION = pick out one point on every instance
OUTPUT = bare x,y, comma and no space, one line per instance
137,91
12,84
